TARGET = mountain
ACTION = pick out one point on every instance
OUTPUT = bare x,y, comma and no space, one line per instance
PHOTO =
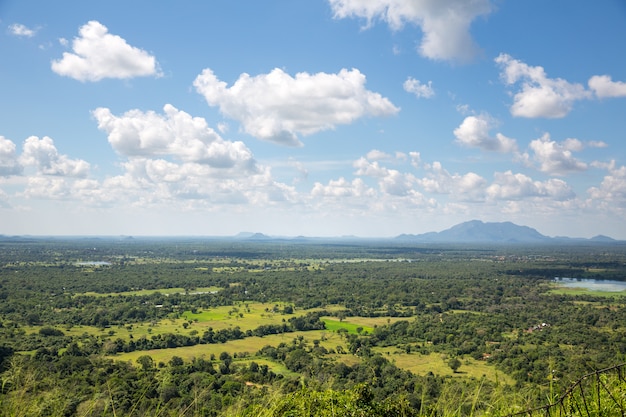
476,231
252,236
602,239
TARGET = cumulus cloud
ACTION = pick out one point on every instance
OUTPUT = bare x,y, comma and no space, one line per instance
43,155
18,29
464,187
368,168
556,158
376,155
390,181
174,133
9,164
157,181
474,133
509,186
445,24
278,107
342,188
42,187
411,85
178,160
539,96
98,54
612,190
603,86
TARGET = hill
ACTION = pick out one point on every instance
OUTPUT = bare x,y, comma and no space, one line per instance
476,231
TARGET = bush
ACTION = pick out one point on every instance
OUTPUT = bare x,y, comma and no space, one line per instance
50,331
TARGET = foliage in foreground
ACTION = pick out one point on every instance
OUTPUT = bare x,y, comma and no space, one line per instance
356,402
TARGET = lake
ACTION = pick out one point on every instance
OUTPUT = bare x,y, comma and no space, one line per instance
592,284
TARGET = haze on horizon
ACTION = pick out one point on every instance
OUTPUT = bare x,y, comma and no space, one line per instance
321,118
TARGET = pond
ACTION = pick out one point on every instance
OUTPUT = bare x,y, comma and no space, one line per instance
592,284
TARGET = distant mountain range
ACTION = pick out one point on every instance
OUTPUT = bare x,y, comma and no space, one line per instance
476,231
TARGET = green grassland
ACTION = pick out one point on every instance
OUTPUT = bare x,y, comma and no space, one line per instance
560,290
247,316
249,346
165,291
421,364
352,328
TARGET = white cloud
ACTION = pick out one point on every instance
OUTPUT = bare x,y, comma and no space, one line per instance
42,154
463,187
369,169
174,133
397,184
156,181
176,160
9,164
17,29
509,186
99,54
445,23
342,188
41,187
612,190
416,158
539,96
376,155
474,133
597,144
556,158
277,107
411,85
603,86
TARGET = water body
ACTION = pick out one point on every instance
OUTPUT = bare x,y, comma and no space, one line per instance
592,284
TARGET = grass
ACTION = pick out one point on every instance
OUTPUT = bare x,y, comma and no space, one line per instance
584,291
166,291
218,318
438,364
352,328
249,345
245,315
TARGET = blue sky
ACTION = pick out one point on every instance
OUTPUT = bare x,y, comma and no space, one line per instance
320,118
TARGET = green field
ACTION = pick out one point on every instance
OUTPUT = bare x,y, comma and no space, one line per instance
560,290
438,364
352,328
165,291
249,345
246,316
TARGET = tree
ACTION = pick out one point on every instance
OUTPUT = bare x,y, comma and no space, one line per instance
454,364
146,362
176,361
